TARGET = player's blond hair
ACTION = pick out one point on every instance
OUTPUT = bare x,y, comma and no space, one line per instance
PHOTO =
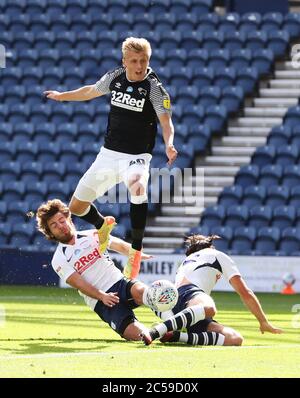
48,210
194,243
136,44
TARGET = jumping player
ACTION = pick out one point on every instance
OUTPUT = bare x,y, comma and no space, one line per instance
137,100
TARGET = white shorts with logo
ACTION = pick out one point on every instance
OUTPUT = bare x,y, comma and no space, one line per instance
111,168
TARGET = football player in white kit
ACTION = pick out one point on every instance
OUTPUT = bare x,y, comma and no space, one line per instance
195,279
78,262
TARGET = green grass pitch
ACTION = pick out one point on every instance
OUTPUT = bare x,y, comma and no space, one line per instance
49,332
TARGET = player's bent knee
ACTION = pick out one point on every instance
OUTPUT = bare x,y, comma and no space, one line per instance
210,311
77,207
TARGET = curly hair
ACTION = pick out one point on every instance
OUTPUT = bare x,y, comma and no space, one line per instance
48,210
194,243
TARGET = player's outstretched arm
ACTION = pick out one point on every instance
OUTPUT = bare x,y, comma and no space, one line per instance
122,247
81,94
253,304
76,281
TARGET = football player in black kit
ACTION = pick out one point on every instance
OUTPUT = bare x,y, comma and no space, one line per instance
137,100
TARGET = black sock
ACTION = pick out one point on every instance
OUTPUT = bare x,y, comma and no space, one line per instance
138,217
93,217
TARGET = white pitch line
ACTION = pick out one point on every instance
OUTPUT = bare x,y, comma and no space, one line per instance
143,350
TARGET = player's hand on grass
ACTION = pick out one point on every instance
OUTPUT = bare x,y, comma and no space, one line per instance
171,154
110,299
52,94
267,327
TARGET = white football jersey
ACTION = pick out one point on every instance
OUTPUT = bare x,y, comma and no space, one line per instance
84,257
205,267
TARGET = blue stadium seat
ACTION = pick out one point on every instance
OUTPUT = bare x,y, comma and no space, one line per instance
292,117
17,212
60,190
110,210
290,240
86,40
278,42
136,7
240,58
3,211
80,22
159,7
187,22
263,155
66,39
204,230
70,152
263,60
212,40
10,77
7,151
232,98
203,76
109,39
53,76
31,171
176,58
260,216
208,21
283,217
234,41
191,40
209,96
61,113
59,23
6,132
36,191
9,171
26,151
182,133
280,136
165,22
250,22
254,196
291,24
225,77
66,132
170,40
200,7
287,155
27,58
247,175
5,232
48,152
15,95
90,151
4,22
87,133
44,40
277,196
7,39
297,219
295,137
75,7
230,196
291,176
270,175
4,112
13,191
247,79
19,23
111,58
53,171
48,57
229,22
73,173
70,58
21,234
226,234
271,21
179,7
97,8
213,216
35,95
192,114
18,113
32,76
39,22
219,58
40,113
267,239
83,113
243,239
117,6
256,40
43,133
197,58
56,7
236,216
215,117
23,40
199,137
294,199
187,95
